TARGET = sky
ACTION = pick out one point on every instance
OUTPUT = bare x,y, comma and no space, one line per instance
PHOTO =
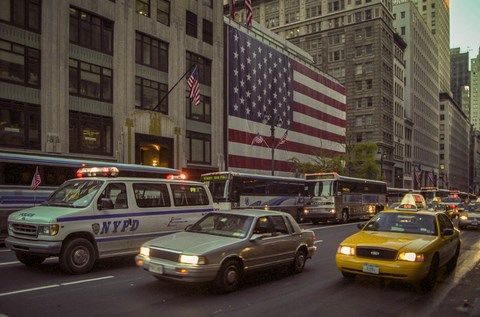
465,25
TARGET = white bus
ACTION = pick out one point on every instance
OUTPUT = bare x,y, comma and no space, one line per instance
339,198
231,190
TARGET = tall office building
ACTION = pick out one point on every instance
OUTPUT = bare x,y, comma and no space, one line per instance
475,91
421,89
351,40
436,14
85,79
460,78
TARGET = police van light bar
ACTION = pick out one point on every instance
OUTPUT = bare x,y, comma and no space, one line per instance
97,172
181,176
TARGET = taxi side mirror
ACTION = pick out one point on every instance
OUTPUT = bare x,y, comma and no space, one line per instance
361,225
447,232
188,227
105,203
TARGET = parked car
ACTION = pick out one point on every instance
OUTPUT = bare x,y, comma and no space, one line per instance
222,246
408,243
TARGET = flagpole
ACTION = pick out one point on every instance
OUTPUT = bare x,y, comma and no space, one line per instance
163,98
272,134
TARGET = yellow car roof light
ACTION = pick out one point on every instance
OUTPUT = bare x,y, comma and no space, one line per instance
97,172
412,202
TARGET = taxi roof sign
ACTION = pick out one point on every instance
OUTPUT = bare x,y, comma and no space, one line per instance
97,172
412,202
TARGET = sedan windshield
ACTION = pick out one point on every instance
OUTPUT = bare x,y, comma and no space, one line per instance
234,226
77,193
403,222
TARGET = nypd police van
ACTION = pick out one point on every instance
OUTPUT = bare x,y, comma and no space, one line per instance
88,218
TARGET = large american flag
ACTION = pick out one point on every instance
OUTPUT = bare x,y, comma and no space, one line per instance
265,88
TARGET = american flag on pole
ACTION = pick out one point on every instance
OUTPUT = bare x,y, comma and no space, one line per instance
258,139
265,88
283,140
194,86
248,9
36,180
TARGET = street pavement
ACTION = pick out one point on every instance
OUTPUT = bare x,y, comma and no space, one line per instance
116,287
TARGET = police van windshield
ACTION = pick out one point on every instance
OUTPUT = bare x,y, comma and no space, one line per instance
321,188
76,193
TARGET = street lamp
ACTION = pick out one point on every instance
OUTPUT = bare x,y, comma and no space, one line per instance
380,157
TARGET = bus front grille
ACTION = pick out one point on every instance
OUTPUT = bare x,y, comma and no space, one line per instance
376,253
24,229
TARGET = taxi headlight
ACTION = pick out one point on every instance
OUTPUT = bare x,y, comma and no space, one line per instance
192,259
144,251
346,250
48,230
411,257
463,217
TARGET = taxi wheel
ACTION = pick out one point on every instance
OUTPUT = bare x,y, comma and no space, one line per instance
29,259
452,264
428,283
299,262
228,277
78,256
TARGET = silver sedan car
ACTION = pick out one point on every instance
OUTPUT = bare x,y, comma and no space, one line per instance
222,246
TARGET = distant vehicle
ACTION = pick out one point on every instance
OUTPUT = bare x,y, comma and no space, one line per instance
17,170
334,197
395,195
222,246
433,192
470,216
99,215
409,243
231,190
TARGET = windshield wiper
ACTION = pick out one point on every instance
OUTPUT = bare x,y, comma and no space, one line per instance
59,203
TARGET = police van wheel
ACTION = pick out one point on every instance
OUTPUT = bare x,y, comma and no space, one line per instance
78,256
29,259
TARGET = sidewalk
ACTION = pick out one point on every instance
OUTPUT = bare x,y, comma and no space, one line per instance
464,298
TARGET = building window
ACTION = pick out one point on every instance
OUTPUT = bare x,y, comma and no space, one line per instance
207,32
208,3
200,112
442,117
90,134
91,31
19,125
204,67
163,11
151,52
369,101
402,30
368,83
198,147
25,14
402,15
148,94
19,64
191,24
90,81
142,7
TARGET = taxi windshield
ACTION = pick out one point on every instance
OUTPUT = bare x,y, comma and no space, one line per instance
403,222
226,225
76,193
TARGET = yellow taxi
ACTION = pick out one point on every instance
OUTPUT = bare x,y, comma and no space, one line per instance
408,243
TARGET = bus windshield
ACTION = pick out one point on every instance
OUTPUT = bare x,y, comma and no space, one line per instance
77,193
217,188
321,188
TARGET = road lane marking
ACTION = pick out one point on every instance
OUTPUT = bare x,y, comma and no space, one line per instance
54,286
318,241
18,262
29,290
8,250
334,226
88,280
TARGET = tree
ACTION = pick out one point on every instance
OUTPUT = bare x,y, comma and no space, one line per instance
359,161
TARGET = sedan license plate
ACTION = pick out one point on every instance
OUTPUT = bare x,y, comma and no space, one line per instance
156,268
370,268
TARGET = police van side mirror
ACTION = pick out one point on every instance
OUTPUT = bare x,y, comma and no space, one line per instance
104,203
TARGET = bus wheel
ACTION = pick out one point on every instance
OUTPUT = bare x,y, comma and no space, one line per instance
78,256
29,259
345,216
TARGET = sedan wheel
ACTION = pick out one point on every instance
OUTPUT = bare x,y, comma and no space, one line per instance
299,262
228,277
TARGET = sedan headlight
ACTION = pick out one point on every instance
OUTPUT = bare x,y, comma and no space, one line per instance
192,259
463,217
144,251
346,250
48,230
411,257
